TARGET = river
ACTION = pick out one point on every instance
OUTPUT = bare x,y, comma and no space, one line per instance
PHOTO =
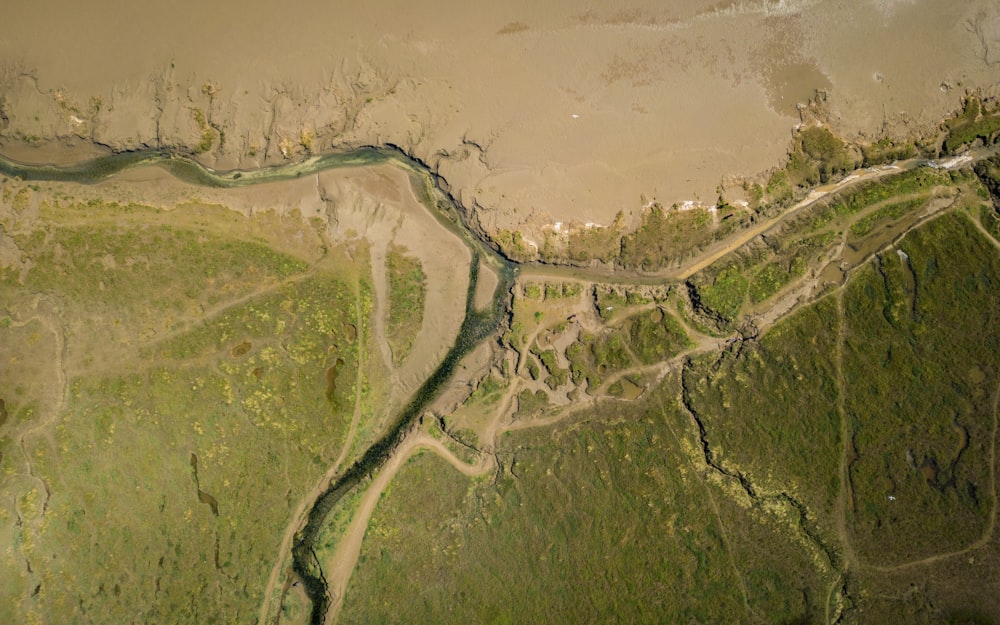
476,325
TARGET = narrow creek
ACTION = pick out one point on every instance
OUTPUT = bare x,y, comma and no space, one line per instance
477,325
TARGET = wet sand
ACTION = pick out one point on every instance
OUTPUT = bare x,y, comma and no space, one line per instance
533,112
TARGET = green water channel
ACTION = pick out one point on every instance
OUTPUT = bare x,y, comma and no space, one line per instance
477,325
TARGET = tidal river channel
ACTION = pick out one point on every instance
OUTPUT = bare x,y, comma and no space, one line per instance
476,325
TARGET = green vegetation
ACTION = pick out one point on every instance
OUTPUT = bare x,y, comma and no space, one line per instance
207,132
764,266
600,243
920,363
529,404
610,301
917,180
887,213
407,292
140,280
668,236
771,277
201,370
173,384
726,294
489,390
532,290
533,371
817,156
656,336
595,356
513,245
771,411
988,172
886,150
557,376
613,300
779,191
904,362
975,123
758,275
541,545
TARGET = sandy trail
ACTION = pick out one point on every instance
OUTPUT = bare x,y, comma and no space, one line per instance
339,568
989,237
730,245
381,287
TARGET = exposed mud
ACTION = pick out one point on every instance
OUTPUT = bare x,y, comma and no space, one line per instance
534,113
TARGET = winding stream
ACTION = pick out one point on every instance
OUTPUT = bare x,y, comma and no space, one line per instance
476,325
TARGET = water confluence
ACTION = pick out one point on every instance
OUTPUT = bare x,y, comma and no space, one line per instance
477,325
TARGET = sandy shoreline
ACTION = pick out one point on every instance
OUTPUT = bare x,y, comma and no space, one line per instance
532,113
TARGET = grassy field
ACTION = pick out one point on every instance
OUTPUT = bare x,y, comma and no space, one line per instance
920,363
198,383
540,545
770,410
407,292
173,383
717,497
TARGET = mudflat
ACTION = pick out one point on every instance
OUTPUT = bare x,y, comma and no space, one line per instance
533,113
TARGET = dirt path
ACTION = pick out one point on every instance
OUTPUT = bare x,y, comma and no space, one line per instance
986,233
381,287
211,312
340,567
731,245
844,495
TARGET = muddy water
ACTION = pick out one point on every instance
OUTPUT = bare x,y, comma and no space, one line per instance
203,497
